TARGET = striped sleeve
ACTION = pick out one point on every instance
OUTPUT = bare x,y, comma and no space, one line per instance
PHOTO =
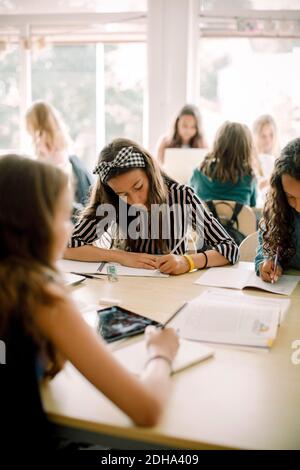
210,230
84,233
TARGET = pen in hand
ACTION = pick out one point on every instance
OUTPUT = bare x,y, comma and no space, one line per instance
172,252
275,266
177,245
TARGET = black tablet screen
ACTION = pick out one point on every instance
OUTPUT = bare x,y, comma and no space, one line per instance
116,323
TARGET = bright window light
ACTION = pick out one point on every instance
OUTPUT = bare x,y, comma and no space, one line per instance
9,98
242,78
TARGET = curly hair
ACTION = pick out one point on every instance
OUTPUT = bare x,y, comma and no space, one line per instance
277,224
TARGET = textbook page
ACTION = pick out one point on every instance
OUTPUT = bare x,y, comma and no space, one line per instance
237,278
235,296
229,320
134,356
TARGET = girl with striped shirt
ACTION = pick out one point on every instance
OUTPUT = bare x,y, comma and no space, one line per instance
143,217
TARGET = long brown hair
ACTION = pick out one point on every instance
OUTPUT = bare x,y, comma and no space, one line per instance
29,193
197,141
103,194
232,156
277,224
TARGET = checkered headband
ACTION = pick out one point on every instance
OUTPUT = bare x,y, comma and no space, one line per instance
125,158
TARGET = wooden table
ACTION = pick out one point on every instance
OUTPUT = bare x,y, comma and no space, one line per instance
238,399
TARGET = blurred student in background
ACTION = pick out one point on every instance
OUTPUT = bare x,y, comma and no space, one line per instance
267,150
51,143
227,171
186,132
266,135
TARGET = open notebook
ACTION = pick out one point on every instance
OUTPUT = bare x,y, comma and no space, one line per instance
238,278
134,356
84,267
229,317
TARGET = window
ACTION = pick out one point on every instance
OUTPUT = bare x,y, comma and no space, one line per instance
125,75
242,78
210,5
89,63
9,98
66,77
71,6
73,77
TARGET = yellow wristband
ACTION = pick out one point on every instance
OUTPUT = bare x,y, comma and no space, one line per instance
190,261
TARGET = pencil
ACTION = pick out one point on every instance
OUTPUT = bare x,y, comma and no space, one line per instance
174,314
89,276
275,265
101,266
177,245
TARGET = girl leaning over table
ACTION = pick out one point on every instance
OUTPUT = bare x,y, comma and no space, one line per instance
129,178
279,234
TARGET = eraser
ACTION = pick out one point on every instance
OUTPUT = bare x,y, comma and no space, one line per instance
106,301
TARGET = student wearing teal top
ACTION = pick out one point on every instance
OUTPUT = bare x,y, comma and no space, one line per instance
226,173
280,226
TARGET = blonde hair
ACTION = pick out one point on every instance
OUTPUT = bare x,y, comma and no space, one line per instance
232,156
267,120
45,123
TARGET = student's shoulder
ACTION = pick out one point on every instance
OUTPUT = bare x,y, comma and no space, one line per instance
173,185
84,222
164,141
197,173
179,189
76,162
54,290
249,180
201,143
79,166
58,303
